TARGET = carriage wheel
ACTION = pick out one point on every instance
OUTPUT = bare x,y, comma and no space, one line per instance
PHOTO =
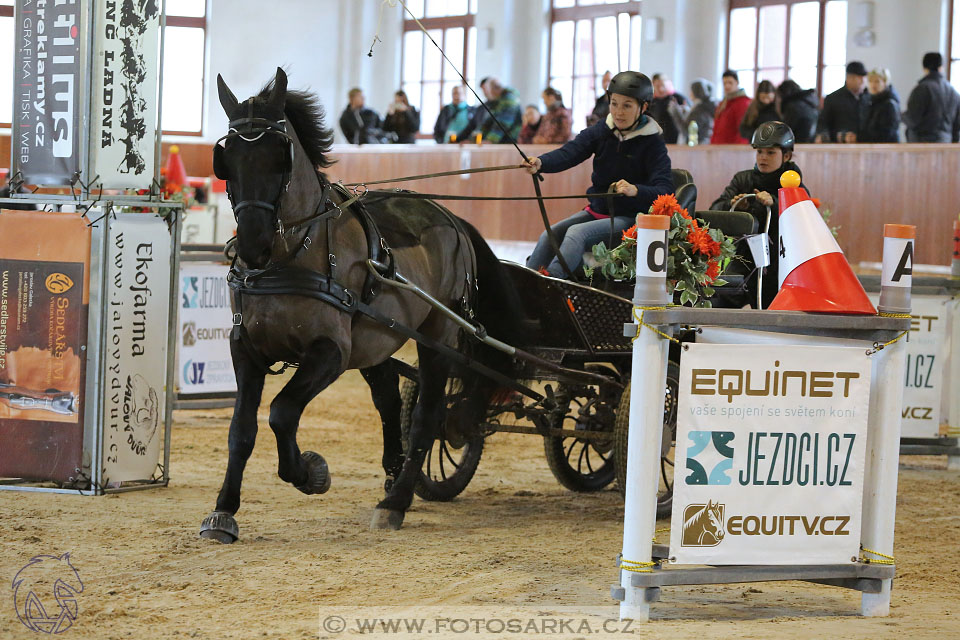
581,464
449,466
665,492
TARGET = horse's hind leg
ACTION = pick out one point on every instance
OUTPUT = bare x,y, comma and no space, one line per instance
319,366
384,387
221,525
427,415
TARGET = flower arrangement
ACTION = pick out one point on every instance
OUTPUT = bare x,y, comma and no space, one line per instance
697,254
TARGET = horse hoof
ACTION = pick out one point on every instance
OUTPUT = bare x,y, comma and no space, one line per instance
220,526
386,519
318,479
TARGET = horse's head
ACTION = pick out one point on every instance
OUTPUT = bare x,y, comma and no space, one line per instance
256,160
714,522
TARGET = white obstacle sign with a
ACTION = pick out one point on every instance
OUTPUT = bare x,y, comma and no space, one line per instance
770,454
204,361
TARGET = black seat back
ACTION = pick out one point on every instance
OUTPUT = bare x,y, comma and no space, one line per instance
684,190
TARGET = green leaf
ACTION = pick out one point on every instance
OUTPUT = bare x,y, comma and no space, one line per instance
706,304
681,285
708,292
719,282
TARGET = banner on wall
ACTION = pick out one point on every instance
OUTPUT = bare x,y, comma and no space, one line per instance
48,71
204,361
44,290
125,92
923,384
770,454
135,360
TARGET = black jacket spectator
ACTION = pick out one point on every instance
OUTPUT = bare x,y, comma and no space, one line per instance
702,111
447,114
663,109
767,113
600,110
361,126
933,111
843,112
882,123
799,108
405,124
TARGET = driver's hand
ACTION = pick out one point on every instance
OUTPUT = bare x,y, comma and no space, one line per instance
531,165
764,198
738,202
624,187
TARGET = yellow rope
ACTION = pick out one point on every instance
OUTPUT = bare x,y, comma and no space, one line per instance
639,319
637,567
879,347
889,559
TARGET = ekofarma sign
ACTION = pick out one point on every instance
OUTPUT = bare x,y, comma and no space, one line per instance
770,454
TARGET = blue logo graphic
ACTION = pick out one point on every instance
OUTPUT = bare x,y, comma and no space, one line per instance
193,372
709,457
191,292
45,594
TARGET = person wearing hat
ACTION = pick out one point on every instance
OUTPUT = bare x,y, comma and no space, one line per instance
844,109
629,157
774,142
933,109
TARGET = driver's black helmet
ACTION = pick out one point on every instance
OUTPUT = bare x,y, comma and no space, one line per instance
773,134
632,84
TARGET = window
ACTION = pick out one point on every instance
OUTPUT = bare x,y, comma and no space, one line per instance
184,45
6,63
953,60
774,41
588,38
426,78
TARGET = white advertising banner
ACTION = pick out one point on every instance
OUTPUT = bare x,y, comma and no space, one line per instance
204,361
137,322
770,454
125,92
927,352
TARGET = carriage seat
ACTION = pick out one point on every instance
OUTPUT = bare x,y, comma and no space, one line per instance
685,191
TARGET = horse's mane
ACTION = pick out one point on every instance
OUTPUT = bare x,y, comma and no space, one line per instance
306,115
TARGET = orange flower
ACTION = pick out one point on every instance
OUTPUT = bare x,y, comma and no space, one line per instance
685,214
664,205
703,243
713,270
630,233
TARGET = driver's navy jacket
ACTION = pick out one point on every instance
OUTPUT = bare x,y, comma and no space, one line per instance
639,157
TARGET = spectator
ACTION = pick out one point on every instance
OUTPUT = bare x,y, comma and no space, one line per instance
453,117
702,111
402,119
504,104
882,123
531,122
800,109
763,108
359,124
933,109
845,109
555,125
726,122
602,106
668,108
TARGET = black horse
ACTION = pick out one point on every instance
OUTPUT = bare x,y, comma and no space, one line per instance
315,306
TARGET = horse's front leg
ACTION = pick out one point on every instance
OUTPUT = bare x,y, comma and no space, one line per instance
384,388
427,416
221,525
319,366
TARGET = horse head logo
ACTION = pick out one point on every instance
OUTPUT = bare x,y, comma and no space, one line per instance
45,594
703,525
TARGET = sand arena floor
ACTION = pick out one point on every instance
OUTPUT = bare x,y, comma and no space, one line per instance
514,544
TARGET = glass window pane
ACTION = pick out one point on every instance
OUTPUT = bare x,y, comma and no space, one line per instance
412,56
746,81
584,3
584,45
743,38
636,30
956,35
806,77
182,100
430,108
188,8
6,70
804,21
432,60
412,89
776,76
582,100
605,41
415,7
773,34
440,8
623,30
834,77
473,6
561,49
471,72
835,33
453,47
563,4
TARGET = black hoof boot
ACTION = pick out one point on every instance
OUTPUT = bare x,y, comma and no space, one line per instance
318,480
386,519
220,526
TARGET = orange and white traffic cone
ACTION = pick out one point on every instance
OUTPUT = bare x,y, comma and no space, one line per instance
814,274
176,174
